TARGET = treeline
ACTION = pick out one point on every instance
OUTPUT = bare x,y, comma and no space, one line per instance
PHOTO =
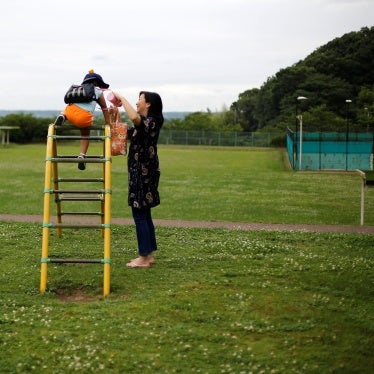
34,129
341,70
208,121
31,129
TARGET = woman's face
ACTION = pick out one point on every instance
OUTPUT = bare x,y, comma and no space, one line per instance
142,106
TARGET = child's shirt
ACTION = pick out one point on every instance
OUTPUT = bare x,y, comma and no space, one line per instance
92,104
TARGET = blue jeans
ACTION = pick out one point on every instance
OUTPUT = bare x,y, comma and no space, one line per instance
145,231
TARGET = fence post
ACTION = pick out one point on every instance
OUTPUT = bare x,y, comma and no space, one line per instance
319,149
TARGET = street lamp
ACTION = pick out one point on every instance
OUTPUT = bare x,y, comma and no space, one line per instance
367,116
300,118
348,101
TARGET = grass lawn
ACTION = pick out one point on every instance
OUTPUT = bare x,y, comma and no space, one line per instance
202,183
216,301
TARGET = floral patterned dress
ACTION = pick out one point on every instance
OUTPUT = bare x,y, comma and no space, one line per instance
143,164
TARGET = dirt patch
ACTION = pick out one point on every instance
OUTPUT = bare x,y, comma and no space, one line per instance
79,295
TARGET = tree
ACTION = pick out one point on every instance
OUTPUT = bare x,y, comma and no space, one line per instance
198,121
340,70
173,124
244,110
208,121
320,118
365,109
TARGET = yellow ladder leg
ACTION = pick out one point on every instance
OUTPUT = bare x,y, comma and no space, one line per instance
46,209
107,209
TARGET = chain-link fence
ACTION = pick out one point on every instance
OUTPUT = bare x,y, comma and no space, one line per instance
224,138
336,151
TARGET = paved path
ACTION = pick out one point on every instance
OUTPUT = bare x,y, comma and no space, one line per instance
205,224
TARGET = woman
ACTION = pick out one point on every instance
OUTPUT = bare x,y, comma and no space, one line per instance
144,171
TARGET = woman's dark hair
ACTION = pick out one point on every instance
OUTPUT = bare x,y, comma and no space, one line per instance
155,110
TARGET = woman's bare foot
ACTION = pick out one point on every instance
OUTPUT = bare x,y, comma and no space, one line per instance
141,262
149,257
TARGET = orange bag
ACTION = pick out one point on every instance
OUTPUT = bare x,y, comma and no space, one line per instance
118,133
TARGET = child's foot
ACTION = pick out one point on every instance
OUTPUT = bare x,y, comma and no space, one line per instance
81,163
60,120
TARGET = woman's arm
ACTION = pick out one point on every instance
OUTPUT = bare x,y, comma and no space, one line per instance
130,111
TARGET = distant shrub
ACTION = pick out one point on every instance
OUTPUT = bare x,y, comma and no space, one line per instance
31,129
278,141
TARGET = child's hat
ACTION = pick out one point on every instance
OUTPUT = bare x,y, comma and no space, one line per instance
91,76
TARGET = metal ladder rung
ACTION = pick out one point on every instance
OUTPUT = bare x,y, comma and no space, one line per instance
85,192
74,261
79,180
80,214
79,198
76,226
88,160
68,126
75,156
75,137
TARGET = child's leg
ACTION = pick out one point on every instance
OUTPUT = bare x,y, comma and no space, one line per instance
84,143
84,120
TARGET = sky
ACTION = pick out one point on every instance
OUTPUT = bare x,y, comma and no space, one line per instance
197,54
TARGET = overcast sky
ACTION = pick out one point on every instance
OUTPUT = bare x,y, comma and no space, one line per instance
196,54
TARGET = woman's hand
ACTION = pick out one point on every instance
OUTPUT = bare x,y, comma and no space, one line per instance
130,111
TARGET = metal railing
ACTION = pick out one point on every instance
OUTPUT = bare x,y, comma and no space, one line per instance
216,138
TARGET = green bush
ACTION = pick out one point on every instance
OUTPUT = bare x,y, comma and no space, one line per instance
278,141
31,129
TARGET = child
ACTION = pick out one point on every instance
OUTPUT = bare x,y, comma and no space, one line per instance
81,114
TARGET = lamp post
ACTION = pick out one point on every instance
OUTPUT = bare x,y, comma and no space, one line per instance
348,101
300,118
366,109
295,137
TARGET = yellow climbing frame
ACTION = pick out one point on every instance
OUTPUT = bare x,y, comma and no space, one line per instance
52,187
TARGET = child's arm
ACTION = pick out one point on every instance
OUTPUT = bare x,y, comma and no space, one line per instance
105,110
